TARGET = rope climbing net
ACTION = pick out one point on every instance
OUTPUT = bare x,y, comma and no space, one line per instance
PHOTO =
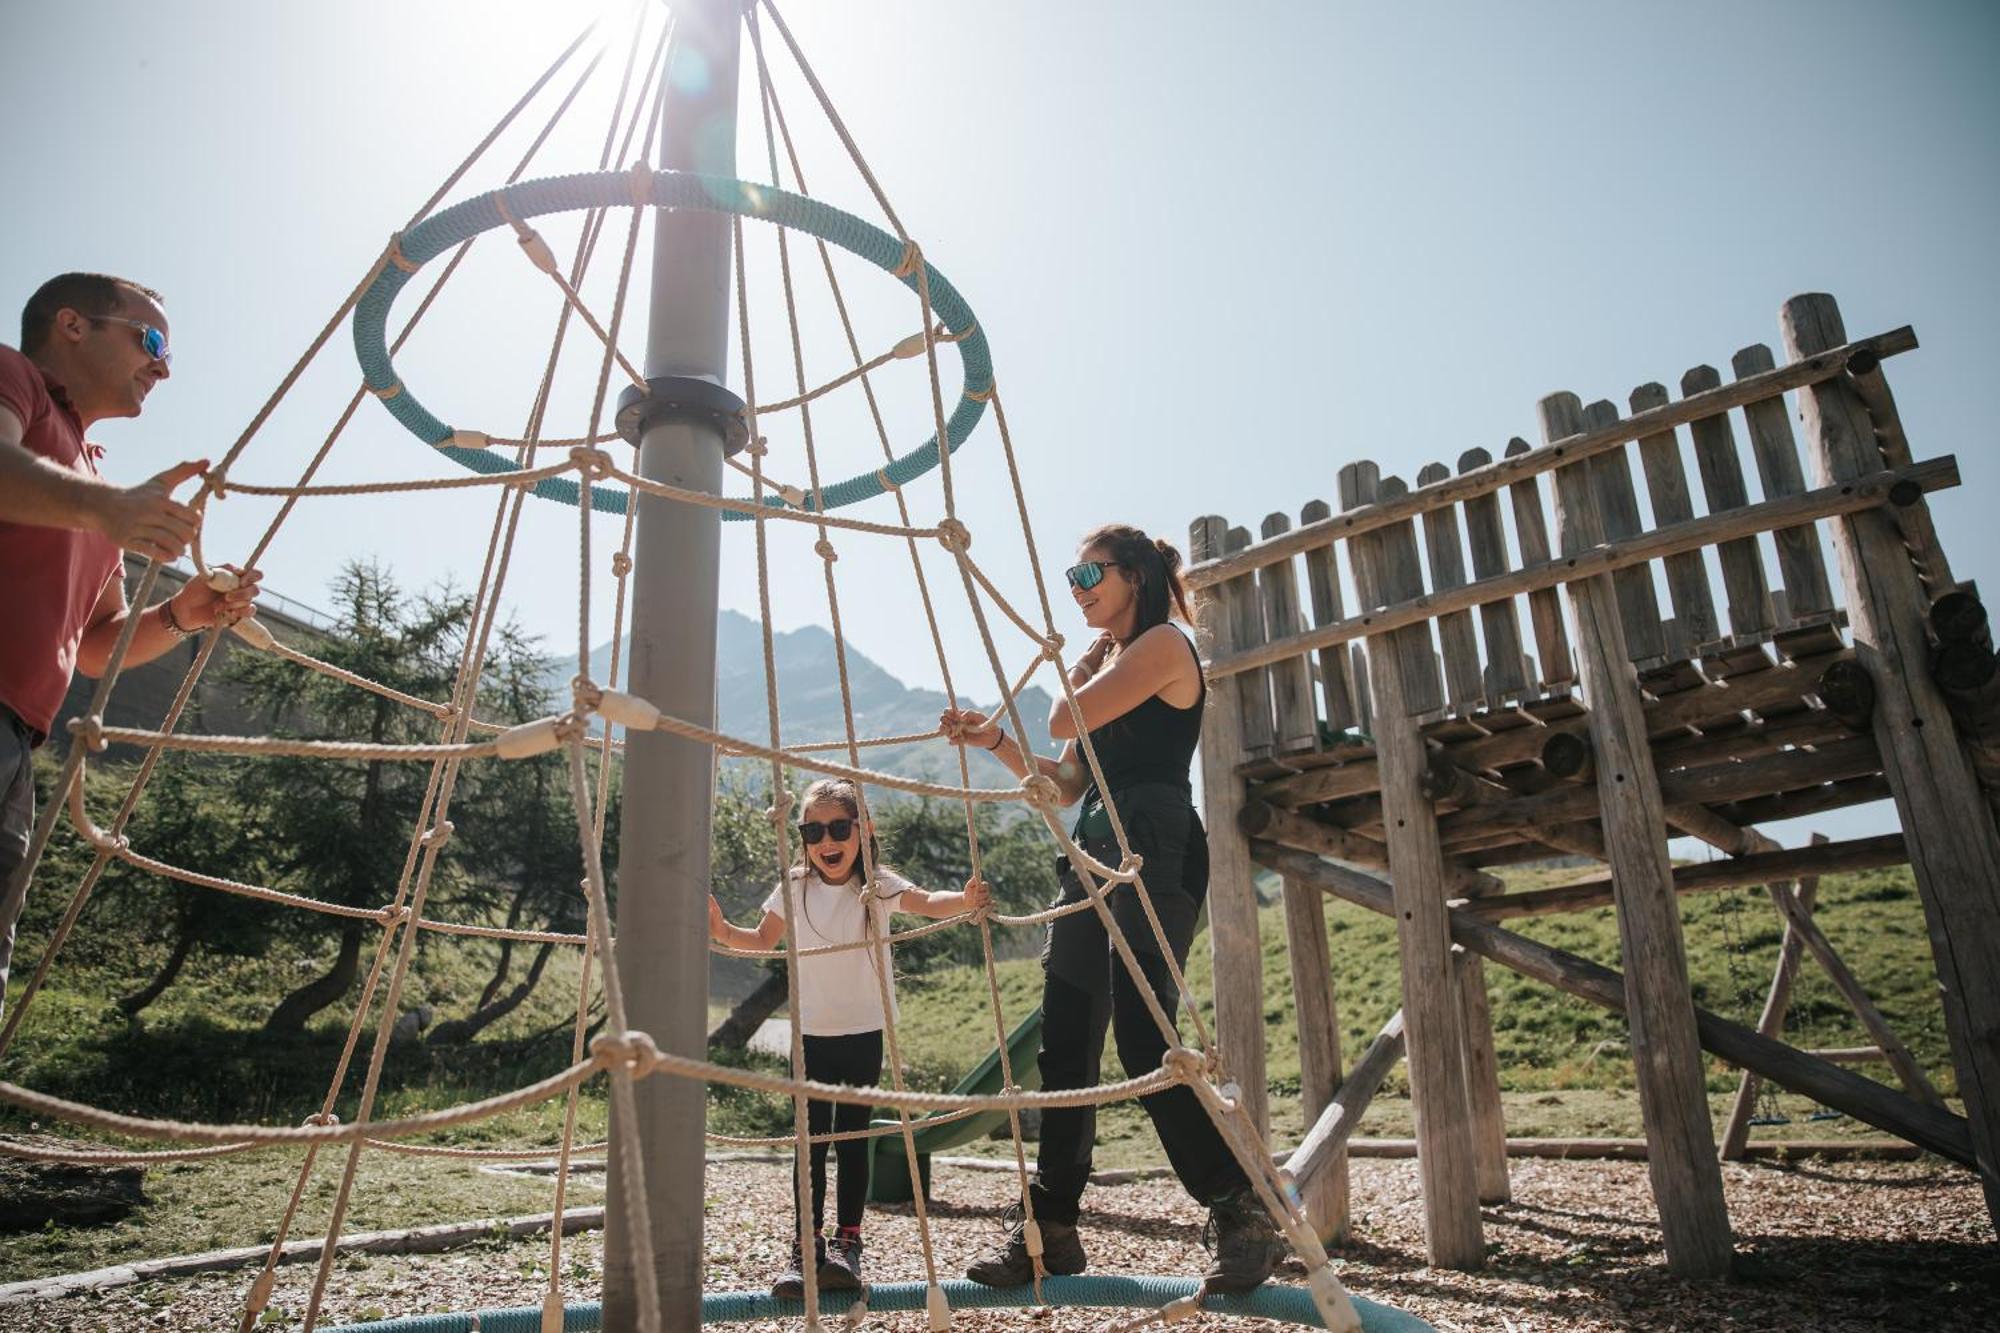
586,471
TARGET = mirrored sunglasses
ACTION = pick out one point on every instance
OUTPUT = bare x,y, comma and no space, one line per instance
840,830
150,338
1085,576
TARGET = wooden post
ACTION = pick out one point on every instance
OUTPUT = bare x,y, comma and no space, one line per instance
1336,669
1296,727
1431,1001
1233,936
1488,539
1687,1181
1954,843
1324,1196
1531,529
1447,562
1482,1080
1800,563
1750,610
1617,504
1666,483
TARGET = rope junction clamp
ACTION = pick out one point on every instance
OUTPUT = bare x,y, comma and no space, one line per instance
683,398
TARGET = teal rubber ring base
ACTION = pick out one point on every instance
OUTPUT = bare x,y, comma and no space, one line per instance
668,189
1287,1304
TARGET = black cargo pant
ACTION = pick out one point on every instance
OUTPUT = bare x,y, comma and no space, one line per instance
1087,989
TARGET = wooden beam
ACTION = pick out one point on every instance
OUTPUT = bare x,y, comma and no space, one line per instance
1785,771
1316,1012
1954,843
1234,937
1260,819
1673,1103
1771,1022
1703,877
1735,530
1216,568
1885,1108
1431,1002
1321,1149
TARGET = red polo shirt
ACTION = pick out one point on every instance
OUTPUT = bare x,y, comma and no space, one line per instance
50,578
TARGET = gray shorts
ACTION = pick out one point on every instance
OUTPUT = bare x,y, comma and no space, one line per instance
17,823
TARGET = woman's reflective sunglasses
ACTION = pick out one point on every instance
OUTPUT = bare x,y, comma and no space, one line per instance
1085,576
150,338
812,831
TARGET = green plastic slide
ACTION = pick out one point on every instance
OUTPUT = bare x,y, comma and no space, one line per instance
889,1174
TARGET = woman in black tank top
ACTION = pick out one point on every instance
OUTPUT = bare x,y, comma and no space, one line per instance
1140,690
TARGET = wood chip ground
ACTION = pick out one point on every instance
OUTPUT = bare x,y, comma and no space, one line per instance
1822,1247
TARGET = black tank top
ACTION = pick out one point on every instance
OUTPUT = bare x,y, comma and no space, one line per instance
1154,742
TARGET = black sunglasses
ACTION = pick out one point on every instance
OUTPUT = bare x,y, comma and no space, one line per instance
840,830
1087,575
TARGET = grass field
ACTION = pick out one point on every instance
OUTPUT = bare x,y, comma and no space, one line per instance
198,1053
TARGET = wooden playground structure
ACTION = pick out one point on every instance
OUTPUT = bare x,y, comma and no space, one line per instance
1394,737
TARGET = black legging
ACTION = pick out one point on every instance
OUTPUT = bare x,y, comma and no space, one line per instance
855,1060
1087,990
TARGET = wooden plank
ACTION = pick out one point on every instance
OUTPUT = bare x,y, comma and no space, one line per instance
1315,1010
1325,1143
1800,563
1750,610
1666,483
1482,1080
1447,563
1431,1005
1824,1081
1702,876
1771,1022
1893,1050
1487,537
1870,492
1400,578
1246,619
1294,721
1531,531
1234,938
1262,820
1673,1104
1617,504
1954,842
1336,672
1528,463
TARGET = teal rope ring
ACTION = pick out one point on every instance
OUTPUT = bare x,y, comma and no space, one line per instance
670,189
1286,1304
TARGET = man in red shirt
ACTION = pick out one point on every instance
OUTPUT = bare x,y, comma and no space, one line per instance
92,347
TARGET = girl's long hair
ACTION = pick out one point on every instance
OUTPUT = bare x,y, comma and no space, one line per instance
1154,566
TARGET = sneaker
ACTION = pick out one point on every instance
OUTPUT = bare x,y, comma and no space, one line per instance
841,1269
1243,1242
1010,1264
791,1284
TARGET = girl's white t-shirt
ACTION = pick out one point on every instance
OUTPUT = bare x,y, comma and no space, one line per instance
838,992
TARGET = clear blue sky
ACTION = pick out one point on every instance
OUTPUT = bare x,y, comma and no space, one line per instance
1219,250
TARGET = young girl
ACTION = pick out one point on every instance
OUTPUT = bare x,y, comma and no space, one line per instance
840,997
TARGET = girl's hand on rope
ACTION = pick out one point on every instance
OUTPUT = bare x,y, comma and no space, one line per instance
715,918
978,895
1087,666
969,728
202,605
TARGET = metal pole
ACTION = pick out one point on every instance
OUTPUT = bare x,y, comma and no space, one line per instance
663,865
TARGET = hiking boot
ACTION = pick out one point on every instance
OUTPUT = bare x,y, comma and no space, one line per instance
1243,1243
841,1269
1010,1265
791,1284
